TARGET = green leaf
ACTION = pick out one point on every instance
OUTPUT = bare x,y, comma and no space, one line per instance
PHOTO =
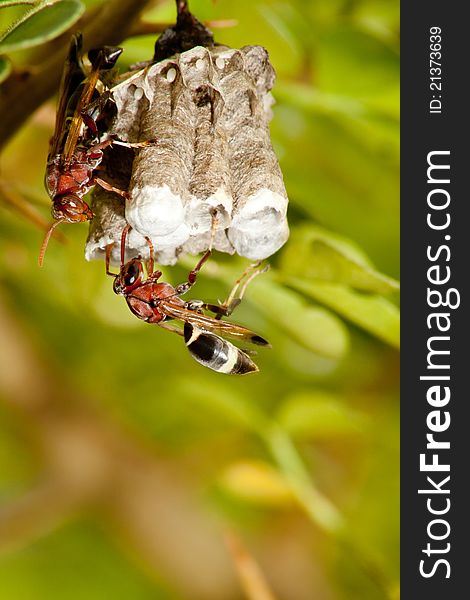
313,327
5,68
229,404
41,23
318,415
319,508
280,24
373,313
346,49
258,482
314,253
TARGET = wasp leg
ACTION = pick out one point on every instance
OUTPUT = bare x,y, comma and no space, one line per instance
110,188
182,288
230,304
150,262
133,144
101,145
222,310
226,308
115,141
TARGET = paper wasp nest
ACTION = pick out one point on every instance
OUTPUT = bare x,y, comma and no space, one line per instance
207,112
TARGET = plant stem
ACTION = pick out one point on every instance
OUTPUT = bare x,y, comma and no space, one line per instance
17,3
320,510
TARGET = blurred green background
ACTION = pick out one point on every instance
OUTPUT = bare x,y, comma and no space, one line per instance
127,470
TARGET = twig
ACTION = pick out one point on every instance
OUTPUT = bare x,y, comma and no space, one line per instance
252,579
33,515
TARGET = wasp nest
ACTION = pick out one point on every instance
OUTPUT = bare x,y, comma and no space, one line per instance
207,112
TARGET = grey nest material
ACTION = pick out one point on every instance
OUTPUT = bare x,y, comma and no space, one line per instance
207,112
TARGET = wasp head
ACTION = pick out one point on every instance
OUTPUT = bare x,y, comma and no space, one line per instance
70,208
129,278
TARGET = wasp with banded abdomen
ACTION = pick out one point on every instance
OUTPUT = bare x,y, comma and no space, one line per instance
80,137
158,302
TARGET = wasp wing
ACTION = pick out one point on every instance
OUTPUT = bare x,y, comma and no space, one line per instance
200,321
72,76
101,59
77,119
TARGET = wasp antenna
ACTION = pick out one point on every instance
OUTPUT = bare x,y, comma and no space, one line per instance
151,264
47,237
125,231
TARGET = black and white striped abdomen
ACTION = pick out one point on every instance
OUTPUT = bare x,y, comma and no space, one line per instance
216,353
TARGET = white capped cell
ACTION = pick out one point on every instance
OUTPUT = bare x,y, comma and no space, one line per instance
154,210
171,75
260,227
138,93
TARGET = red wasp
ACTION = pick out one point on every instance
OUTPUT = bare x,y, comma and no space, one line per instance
157,302
75,150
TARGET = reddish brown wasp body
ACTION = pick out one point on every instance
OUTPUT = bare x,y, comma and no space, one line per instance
157,302
66,186
75,149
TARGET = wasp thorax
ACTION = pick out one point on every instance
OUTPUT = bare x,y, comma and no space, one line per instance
71,209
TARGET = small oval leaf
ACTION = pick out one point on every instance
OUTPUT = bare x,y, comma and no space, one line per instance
228,404
318,415
41,24
5,68
314,253
257,482
372,312
314,327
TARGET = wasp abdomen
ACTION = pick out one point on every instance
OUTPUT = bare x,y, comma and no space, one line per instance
216,353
